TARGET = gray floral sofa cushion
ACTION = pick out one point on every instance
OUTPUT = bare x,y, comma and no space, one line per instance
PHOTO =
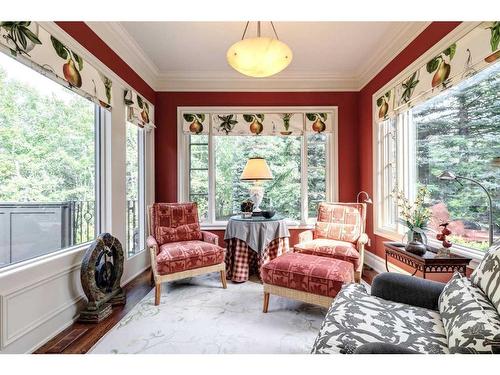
356,318
487,276
471,322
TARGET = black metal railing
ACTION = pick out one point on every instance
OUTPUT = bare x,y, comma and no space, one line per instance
48,227
82,218
133,227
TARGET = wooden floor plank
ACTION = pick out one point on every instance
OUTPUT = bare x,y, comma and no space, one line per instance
135,289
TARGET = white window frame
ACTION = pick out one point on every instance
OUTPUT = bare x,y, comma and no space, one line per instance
142,149
407,153
183,159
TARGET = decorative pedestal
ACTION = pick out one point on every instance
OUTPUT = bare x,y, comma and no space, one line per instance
101,272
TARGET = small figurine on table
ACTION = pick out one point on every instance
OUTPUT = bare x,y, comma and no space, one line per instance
445,250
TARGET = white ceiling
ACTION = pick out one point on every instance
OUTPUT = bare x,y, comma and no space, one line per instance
189,56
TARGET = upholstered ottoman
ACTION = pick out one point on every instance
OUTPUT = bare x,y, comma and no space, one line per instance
308,278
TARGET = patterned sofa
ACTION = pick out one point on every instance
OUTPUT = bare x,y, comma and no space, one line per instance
404,314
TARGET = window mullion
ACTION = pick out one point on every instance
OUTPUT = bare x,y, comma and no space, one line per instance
211,177
304,202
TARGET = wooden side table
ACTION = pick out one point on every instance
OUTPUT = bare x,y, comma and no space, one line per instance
430,262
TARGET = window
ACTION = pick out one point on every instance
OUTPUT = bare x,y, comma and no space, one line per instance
48,165
457,130
300,164
135,189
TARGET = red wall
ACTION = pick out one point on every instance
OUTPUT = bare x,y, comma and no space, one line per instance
96,46
430,36
166,131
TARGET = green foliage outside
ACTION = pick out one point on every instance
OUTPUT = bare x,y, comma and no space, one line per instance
46,145
459,130
283,155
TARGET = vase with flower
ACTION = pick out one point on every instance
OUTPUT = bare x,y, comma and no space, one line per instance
415,217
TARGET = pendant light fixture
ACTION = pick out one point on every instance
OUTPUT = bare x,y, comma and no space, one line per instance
260,56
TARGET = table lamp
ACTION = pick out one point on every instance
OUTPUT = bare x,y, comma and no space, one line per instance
256,170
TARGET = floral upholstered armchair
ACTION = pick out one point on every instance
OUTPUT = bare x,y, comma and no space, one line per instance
339,233
178,247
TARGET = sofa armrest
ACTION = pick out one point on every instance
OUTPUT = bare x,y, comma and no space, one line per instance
383,348
306,235
210,237
407,289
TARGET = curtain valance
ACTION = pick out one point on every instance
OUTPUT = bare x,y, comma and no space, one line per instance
459,61
138,110
252,124
32,45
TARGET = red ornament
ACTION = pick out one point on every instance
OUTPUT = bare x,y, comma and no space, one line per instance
442,236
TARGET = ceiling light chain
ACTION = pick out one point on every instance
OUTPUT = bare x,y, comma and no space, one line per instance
275,33
245,31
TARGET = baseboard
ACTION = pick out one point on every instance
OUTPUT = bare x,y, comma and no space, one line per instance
72,321
378,264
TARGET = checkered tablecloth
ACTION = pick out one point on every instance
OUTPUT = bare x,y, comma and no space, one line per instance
242,261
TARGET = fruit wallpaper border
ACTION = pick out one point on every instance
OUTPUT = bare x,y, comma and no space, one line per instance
460,60
253,124
138,110
33,46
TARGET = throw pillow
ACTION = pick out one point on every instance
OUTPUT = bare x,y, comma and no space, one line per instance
487,276
471,322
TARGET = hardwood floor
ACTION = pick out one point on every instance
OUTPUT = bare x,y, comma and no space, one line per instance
80,337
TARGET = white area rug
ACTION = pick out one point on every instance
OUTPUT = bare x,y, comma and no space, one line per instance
197,316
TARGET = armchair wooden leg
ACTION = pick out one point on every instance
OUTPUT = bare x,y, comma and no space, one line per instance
152,278
266,302
357,277
223,279
157,293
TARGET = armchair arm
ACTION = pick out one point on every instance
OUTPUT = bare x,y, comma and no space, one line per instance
362,240
153,247
407,289
152,244
306,235
210,237
383,348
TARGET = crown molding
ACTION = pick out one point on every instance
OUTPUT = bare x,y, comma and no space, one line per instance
232,81
396,44
119,40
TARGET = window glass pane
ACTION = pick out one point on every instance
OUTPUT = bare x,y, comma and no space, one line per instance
198,174
316,171
283,155
47,165
459,130
135,191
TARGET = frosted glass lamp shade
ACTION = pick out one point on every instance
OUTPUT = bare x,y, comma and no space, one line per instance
256,169
259,57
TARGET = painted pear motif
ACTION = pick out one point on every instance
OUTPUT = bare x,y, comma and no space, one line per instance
71,74
256,126
318,120
440,67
